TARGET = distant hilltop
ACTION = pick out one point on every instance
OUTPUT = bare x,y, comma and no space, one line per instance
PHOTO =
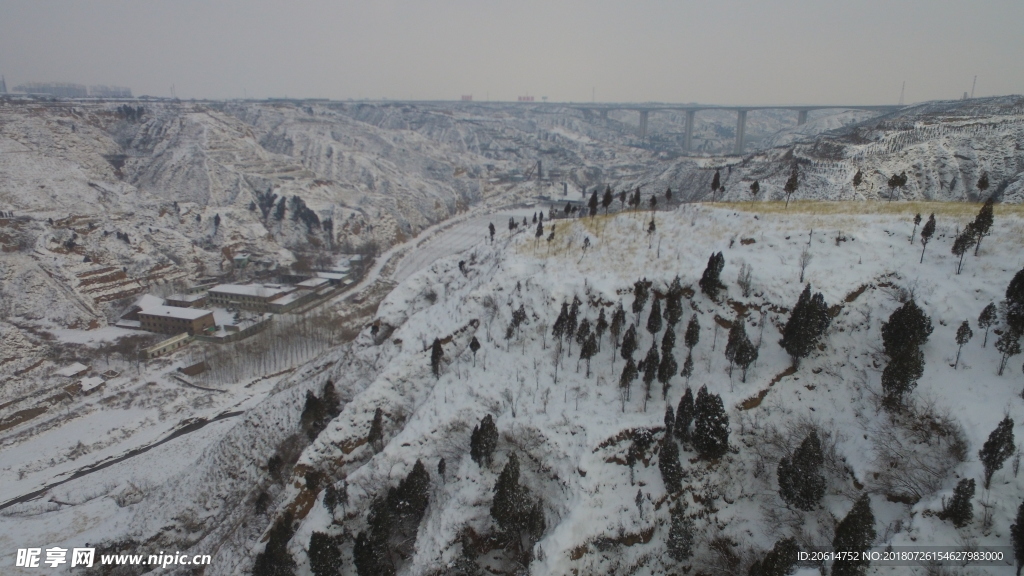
69,90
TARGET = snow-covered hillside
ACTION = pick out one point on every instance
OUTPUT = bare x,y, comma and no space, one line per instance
573,435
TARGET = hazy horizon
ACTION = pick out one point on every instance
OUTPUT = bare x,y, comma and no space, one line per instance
729,53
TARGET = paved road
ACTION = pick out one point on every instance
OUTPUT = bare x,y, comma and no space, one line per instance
187,429
459,238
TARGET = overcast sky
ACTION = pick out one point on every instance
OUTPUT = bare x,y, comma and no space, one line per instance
708,51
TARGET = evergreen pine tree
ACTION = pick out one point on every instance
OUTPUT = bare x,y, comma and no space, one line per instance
474,347
483,441
737,335
666,370
490,228
746,355
324,555
572,321
963,336
807,323
917,222
755,187
1014,302
587,351
900,376
926,234
709,282
959,509
511,504
670,420
650,368
716,183
629,373
629,343
982,224
641,292
997,449
894,183
855,532
908,327
986,320
692,337
376,437
857,178
674,303
314,414
791,184
600,327
409,500
372,551
276,560
1008,345
962,244
711,425
1017,537
606,200
582,333
680,533
801,484
593,204
684,416
903,334
558,329
687,367
333,497
618,321
668,464
779,561
654,320
436,355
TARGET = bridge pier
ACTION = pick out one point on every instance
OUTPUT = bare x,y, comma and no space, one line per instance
801,117
604,114
741,127
688,142
643,123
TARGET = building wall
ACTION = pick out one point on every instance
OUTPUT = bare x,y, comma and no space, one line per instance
168,325
254,303
200,303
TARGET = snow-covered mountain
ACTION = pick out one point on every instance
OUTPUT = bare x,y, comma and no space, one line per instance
943,147
155,462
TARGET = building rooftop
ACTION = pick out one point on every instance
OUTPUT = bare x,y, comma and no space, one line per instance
261,290
175,312
313,283
91,382
76,368
186,297
331,275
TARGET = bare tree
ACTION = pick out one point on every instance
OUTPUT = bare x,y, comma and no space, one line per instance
744,281
805,259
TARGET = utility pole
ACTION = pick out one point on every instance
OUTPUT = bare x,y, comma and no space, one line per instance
973,84
901,92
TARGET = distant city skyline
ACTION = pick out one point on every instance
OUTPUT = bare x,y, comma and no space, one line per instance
730,52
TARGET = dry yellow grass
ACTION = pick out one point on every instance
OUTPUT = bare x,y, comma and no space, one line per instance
815,207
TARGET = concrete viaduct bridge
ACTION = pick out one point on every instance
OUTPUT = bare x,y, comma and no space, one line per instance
741,115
